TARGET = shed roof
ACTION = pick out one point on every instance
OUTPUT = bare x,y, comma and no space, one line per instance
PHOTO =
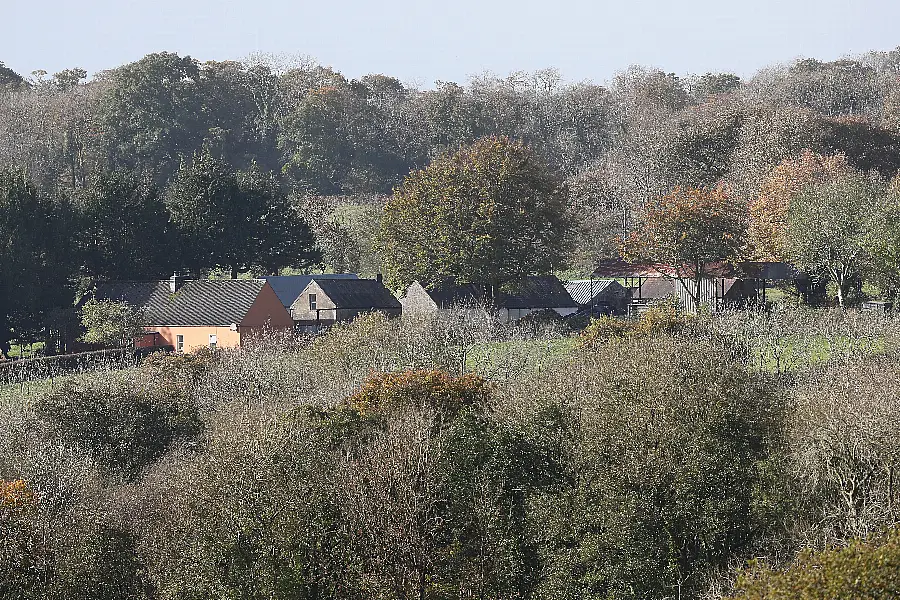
450,293
199,302
582,290
288,287
535,291
541,291
357,293
655,288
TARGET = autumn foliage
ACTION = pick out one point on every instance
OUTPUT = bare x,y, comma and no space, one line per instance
15,494
433,389
687,230
768,211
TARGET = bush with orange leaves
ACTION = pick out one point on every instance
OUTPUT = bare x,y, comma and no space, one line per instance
15,495
428,389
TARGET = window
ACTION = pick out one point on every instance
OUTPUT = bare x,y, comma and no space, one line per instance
212,341
312,302
179,343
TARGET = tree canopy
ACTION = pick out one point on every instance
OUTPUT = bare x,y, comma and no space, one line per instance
488,213
685,232
236,220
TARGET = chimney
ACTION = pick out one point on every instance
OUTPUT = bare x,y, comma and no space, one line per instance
176,281
378,277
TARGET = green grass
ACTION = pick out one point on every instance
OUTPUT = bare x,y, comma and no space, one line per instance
794,353
25,350
507,360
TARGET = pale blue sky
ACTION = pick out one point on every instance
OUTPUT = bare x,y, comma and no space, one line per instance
423,40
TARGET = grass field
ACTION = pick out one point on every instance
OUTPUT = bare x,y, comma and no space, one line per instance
506,360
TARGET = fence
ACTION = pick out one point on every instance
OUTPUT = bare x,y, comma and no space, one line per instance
26,369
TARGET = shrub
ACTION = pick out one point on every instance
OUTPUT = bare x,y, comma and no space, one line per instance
603,329
125,427
861,570
432,389
661,318
178,374
665,439
111,323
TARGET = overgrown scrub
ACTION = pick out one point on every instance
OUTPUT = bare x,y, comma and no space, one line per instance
444,392
659,319
372,462
844,448
665,441
123,424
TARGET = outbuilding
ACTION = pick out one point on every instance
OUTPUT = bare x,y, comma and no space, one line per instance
327,301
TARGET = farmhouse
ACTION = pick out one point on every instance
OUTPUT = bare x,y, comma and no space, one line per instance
327,301
513,300
188,314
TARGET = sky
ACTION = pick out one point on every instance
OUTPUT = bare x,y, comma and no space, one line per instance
421,41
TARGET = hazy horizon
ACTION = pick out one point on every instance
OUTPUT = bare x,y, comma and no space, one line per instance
422,42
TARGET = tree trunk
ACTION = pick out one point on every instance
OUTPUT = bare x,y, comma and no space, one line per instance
839,278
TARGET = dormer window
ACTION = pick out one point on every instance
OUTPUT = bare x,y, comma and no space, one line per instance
312,302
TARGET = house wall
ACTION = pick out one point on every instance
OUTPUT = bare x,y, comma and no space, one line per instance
417,299
198,337
300,308
326,312
267,311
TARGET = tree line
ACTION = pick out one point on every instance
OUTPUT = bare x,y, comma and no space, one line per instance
289,163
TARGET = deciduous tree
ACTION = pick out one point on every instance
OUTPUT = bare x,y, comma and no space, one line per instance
684,233
829,225
491,212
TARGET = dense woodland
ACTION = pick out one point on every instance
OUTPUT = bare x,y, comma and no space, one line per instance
749,455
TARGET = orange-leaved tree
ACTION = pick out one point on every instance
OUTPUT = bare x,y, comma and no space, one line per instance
768,211
435,390
687,232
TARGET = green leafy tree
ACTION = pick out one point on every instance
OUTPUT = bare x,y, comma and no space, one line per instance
489,213
111,323
884,245
829,225
237,221
35,260
151,113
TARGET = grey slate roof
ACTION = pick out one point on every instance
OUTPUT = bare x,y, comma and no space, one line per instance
200,302
358,293
539,291
580,289
542,291
449,294
288,287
